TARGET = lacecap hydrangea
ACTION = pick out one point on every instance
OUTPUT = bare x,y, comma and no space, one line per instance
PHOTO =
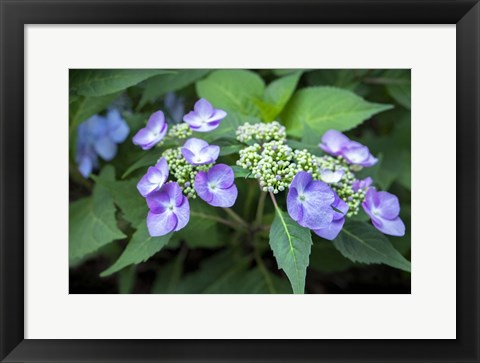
192,169
322,190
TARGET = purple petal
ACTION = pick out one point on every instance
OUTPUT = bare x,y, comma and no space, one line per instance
154,179
85,166
198,152
331,231
224,197
356,153
371,200
201,187
393,227
182,212
362,184
192,119
217,116
203,108
156,122
158,201
205,126
333,142
145,186
330,176
161,224
341,206
212,151
96,126
174,193
370,161
221,176
162,166
144,138
190,156
105,148
117,127
317,211
294,207
195,145
388,207
300,181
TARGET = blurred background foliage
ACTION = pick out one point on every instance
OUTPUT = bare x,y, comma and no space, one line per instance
206,257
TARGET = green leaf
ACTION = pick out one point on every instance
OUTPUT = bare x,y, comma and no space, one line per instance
149,159
291,245
324,108
277,95
361,242
127,198
233,90
326,258
201,230
255,281
217,275
228,145
92,221
158,86
100,82
140,248
126,280
83,108
398,84
168,276
241,172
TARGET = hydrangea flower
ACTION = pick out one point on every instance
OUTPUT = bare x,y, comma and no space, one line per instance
362,184
337,144
154,179
153,132
331,176
86,157
340,209
216,186
169,210
99,136
199,152
204,117
175,107
309,201
384,208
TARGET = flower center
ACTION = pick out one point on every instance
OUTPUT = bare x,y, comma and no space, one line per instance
302,197
212,186
170,207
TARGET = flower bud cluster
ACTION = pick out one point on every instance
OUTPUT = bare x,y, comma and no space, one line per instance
275,164
183,172
180,131
344,187
261,131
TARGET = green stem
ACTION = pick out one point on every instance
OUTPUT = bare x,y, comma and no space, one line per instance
264,271
260,208
274,200
236,217
217,219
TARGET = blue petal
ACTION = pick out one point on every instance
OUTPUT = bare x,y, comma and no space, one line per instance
106,148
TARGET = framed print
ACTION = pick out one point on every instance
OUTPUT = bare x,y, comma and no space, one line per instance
239,181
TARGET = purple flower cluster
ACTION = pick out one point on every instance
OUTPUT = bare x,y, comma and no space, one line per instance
337,144
315,205
169,207
203,118
99,136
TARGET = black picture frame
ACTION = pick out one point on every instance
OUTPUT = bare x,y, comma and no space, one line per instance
15,14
